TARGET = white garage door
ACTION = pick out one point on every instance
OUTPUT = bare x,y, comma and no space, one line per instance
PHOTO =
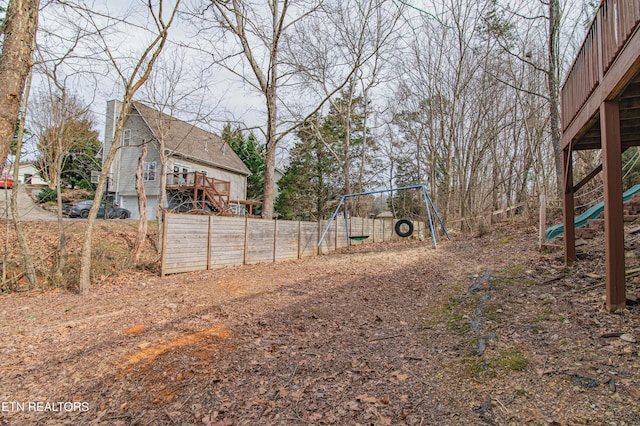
131,203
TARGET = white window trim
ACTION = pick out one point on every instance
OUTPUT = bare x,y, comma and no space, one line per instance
150,171
126,137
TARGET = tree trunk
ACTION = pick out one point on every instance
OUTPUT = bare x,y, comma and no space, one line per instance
29,267
270,156
269,89
62,240
142,208
163,196
15,63
553,82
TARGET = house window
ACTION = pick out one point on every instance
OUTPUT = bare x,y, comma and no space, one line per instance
126,137
181,175
150,171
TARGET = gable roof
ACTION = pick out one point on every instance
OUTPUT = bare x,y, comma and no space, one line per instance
189,141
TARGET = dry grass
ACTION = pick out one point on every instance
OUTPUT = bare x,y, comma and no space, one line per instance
112,242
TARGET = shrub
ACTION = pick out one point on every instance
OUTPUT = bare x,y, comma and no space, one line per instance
45,195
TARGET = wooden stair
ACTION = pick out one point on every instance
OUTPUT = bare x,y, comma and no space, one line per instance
219,202
213,192
205,195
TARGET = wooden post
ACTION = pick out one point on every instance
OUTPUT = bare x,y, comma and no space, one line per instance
318,235
275,239
246,240
299,239
613,214
209,242
164,244
373,230
543,218
568,210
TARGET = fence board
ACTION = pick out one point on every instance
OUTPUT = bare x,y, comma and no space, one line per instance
308,239
378,230
287,240
329,242
341,234
186,244
260,239
227,241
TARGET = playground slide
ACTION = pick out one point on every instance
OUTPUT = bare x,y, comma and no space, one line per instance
592,213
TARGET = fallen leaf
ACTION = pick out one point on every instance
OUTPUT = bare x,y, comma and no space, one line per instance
366,398
385,420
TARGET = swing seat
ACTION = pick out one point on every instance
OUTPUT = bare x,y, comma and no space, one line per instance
359,237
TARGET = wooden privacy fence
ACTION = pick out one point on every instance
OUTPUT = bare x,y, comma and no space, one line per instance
196,243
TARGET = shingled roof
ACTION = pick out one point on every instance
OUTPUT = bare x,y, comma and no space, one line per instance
188,141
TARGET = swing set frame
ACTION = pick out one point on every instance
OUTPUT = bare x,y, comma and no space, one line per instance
427,202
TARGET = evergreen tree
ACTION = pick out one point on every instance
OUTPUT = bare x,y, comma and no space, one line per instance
309,188
331,158
251,152
82,158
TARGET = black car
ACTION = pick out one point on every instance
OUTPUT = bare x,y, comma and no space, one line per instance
81,209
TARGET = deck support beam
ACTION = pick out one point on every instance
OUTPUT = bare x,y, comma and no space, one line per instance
568,210
613,210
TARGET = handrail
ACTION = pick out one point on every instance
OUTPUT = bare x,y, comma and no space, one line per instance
198,179
614,23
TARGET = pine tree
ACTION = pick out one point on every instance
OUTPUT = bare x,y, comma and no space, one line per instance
310,187
251,152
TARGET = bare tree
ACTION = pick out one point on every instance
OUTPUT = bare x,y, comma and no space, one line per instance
525,28
60,122
142,207
256,35
366,35
132,77
260,32
553,81
29,267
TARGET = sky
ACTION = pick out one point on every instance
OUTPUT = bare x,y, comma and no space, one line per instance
225,96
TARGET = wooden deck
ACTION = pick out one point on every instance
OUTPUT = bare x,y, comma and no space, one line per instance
605,69
600,102
206,194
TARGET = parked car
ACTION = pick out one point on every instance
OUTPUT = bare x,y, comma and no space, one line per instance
6,181
81,209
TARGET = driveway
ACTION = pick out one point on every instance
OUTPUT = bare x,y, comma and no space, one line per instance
27,208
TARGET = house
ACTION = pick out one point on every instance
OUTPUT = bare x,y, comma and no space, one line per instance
202,171
28,173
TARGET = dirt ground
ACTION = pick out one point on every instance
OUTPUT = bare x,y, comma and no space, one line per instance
483,330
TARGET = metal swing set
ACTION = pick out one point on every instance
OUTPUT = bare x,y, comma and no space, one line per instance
427,202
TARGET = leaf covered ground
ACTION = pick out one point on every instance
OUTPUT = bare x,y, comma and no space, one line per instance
483,330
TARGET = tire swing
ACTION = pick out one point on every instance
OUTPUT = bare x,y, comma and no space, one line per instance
404,228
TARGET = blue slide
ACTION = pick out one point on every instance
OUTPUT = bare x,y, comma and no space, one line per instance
591,213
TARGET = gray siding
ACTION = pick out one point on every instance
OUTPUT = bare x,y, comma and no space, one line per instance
113,109
129,155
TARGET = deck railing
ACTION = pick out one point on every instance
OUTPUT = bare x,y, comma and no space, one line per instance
614,23
191,180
